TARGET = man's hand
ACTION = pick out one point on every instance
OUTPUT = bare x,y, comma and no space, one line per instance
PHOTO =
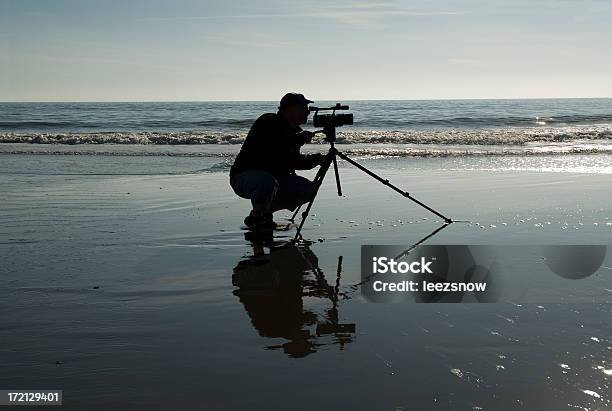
305,136
319,158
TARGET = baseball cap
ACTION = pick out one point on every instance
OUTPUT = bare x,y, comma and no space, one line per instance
293,99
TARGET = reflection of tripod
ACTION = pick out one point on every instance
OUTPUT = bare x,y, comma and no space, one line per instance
330,137
403,253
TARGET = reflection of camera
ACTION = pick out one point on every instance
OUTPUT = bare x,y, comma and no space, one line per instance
333,119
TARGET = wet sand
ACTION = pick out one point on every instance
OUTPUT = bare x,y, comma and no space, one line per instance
121,291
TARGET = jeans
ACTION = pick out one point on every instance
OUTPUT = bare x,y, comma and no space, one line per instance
268,193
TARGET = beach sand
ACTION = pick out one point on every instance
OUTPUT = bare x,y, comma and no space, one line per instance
118,290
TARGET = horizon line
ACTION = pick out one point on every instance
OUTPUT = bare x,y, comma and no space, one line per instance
276,101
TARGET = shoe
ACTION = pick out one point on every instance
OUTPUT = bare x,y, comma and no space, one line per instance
259,222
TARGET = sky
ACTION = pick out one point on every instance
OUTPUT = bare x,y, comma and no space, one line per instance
151,50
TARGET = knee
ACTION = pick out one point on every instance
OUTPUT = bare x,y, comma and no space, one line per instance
307,190
251,184
267,184
264,188
309,187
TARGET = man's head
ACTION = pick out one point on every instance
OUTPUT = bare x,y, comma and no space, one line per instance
294,108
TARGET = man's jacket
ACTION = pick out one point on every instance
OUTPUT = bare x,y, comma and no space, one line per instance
272,145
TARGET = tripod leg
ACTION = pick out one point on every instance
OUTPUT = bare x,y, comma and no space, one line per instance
318,181
297,210
337,177
319,176
393,187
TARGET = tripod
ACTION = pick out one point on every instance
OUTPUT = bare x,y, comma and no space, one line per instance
330,158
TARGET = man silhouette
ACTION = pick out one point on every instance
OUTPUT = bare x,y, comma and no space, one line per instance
264,170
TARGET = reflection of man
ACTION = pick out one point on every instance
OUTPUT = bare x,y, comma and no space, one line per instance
271,288
264,170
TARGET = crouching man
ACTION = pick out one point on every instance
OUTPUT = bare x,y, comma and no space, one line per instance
264,170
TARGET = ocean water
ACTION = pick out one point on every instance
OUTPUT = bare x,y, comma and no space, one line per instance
573,135
585,123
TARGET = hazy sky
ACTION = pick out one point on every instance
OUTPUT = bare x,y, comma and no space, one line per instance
137,50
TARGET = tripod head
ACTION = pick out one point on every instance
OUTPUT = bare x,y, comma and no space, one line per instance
329,122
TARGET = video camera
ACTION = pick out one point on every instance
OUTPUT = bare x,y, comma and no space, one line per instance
332,120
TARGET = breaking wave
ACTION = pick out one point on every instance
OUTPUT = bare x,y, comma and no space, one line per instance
365,151
497,136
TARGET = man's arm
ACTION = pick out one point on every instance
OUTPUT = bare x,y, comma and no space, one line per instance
303,137
304,161
307,161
